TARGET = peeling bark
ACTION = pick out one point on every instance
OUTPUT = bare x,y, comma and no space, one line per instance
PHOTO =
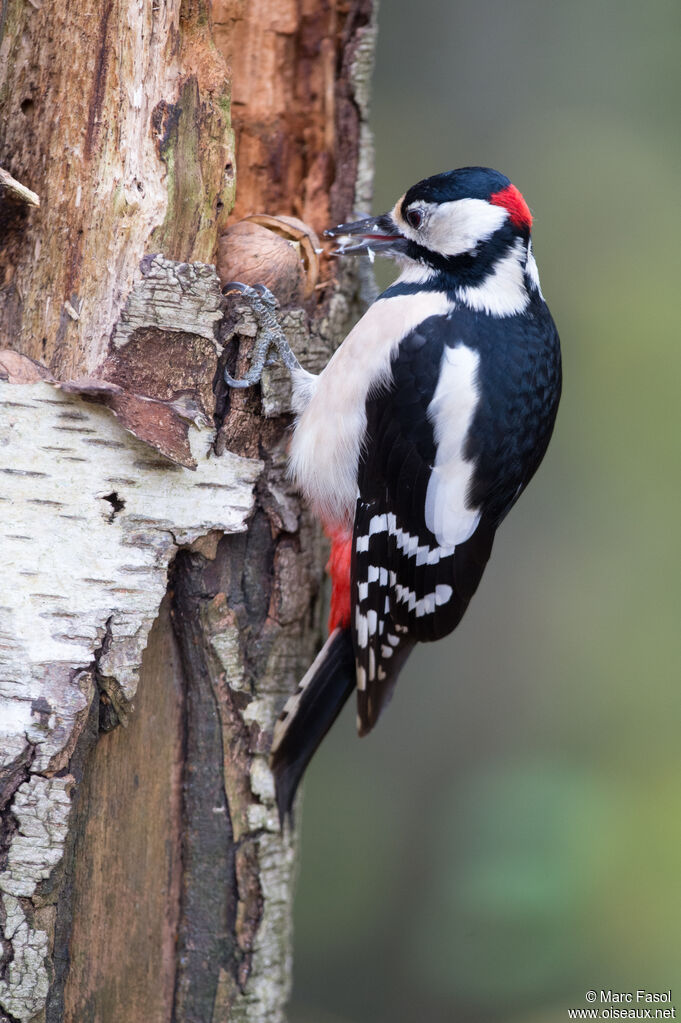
160,592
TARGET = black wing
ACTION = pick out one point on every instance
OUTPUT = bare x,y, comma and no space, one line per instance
406,587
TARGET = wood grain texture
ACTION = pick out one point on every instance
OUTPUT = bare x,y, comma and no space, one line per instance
242,645
299,104
117,115
92,518
126,855
142,872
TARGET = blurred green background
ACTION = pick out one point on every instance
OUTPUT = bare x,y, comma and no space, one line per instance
510,836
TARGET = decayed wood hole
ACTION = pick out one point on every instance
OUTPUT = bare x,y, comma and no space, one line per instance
283,57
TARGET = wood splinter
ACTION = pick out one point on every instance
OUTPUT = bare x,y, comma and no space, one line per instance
12,189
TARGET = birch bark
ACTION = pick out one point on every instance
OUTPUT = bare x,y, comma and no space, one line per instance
159,593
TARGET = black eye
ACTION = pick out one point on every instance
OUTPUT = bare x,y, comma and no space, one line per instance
414,218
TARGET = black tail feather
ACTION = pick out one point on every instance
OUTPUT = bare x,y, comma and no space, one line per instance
309,714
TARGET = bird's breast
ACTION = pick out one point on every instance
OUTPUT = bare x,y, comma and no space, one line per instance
329,432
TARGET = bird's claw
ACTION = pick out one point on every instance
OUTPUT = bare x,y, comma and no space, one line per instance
239,383
270,335
255,291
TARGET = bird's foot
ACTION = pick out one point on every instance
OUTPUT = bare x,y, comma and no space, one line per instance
270,339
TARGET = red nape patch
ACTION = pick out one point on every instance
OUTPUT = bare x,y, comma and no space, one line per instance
511,199
338,567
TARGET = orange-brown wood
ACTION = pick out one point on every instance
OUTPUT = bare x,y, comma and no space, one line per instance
126,859
289,99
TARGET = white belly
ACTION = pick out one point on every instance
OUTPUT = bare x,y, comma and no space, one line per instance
328,434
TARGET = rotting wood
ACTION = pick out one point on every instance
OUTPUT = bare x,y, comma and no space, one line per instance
76,614
117,114
301,119
123,858
77,602
140,160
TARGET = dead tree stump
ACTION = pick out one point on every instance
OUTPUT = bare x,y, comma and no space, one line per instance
159,595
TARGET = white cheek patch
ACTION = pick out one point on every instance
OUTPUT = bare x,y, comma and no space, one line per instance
451,228
457,227
451,412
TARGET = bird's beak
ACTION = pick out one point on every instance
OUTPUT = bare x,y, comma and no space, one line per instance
376,235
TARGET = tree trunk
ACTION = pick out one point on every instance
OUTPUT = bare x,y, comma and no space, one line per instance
159,597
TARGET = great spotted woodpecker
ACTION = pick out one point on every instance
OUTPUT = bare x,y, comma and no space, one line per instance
417,438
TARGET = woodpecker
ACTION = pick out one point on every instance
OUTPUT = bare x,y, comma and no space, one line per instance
417,438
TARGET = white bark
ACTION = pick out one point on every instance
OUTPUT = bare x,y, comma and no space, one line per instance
90,519
41,807
75,567
172,296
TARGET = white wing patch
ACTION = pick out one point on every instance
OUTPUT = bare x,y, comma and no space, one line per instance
404,541
451,412
426,605
451,228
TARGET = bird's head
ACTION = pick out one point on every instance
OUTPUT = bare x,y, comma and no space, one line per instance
444,222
